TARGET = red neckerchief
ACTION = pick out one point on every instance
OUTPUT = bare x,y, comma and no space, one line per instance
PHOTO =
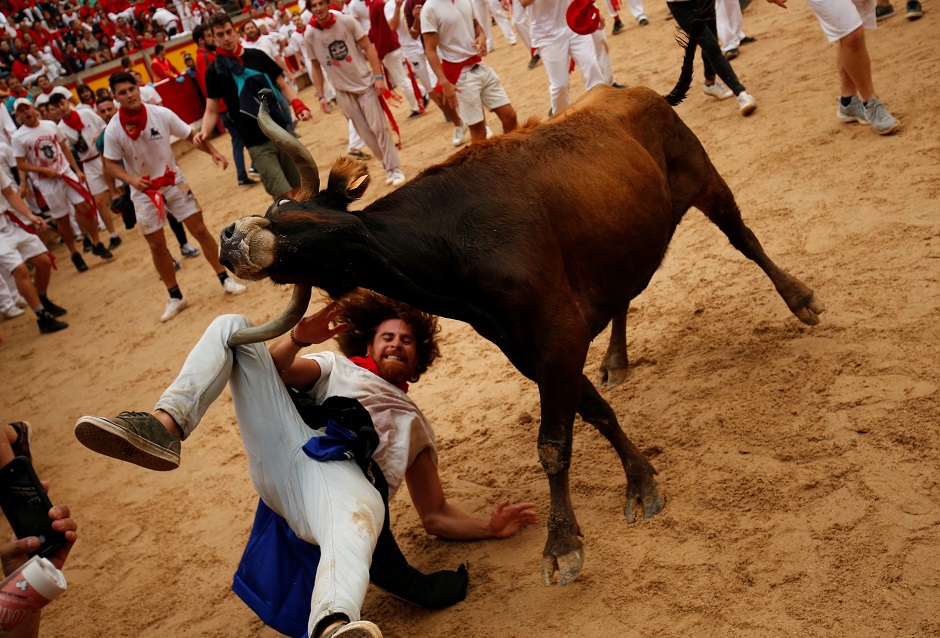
133,123
368,363
301,29
329,24
254,39
74,120
22,93
235,55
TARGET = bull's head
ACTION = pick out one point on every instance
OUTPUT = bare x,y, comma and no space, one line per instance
276,246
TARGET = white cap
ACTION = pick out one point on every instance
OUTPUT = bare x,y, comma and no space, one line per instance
20,101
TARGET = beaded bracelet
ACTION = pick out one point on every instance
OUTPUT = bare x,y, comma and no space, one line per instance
299,344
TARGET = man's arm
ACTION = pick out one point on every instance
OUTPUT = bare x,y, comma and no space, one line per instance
71,160
115,170
381,87
434,61
14,199
209,119
300,109
440,518
296,372
395,20
206,147
319,85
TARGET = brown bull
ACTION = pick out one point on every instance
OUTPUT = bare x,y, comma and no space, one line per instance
538,239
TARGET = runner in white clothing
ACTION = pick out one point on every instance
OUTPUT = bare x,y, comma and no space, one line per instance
139,136
81,128
40,148
558,45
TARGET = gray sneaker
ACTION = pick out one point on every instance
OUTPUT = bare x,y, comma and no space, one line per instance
854,112
135,437
883,122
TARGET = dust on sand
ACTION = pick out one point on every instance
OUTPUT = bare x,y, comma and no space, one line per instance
800,463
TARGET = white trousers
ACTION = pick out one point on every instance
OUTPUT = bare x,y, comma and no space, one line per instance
519,19
730,23
603,56
330,504
394,63
555,59
635,6
423,73
366,114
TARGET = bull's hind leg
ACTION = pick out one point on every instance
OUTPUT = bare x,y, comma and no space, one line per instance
717,202
643,495
614,365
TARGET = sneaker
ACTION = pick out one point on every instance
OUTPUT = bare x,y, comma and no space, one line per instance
731,54
618,27
233,286
854,112
79,263
53,309
86,244
914,10
359,154
746,103
246,182
460,132
395,177
748,39
413,115
12,312
357,629
135,437
883,122
189,251
21,447
643,21
174,306
21,302
489,132
114,243
718,90
883,12
49,324
534,61
101,251
253,172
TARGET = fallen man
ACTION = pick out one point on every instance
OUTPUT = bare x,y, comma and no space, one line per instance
330,504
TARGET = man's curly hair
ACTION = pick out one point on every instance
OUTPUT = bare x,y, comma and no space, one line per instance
365,310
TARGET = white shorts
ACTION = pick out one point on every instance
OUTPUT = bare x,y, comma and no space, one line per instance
94,173
17,245
60,197
177,204
479,87
839,18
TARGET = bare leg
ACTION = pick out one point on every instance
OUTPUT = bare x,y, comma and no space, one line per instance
210,249
88,225
64,227
43,266
25,287
507,117
855,66
162,260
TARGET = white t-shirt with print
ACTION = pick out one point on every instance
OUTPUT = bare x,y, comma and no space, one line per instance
452,21
39,145
93,124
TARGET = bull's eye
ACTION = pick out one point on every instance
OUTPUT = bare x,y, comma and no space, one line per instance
284,200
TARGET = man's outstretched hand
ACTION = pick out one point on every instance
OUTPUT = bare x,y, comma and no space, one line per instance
16,551
508,519
316,328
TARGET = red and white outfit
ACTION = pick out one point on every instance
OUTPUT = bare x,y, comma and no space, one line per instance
388,46
336,48
151,154
558,45
839,18
85,125
16,244
40,145
43,97
478,85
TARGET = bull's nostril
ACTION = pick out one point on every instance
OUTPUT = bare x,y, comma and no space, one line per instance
227,264
228,232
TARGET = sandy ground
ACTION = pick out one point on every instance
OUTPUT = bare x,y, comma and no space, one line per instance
800,463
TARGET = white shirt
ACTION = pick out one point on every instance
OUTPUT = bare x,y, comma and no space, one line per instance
264,43
164,17
452,21
39,145
151,153
42,98
7,160
360,11
403,430
547,22
149,95
410,48
93,124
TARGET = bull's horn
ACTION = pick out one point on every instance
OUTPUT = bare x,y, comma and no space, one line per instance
279,325
306,166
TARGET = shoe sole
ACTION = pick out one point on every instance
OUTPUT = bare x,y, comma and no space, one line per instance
848,119
358,629
747,110
107,438
889,131
914,15
725,96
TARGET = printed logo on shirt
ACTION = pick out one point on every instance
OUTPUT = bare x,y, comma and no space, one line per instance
45,150
155,134
339,52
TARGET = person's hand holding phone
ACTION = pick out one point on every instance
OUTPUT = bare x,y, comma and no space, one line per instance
16,551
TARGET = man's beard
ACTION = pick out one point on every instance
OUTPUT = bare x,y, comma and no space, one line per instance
395,372
211,47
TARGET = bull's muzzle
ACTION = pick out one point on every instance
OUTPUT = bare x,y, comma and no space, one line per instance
247,247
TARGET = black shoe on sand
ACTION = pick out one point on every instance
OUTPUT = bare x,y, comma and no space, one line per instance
135,437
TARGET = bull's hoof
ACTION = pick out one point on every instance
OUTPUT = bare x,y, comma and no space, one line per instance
643,496
567,565
612,375
809,311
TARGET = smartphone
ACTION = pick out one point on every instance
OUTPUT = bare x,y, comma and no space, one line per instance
26,506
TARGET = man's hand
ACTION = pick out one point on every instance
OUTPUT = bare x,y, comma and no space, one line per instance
316,327
508,519
38,222
219,160
450,94
140,183
199,138
16,552
50,172
381,87
81,176
479,44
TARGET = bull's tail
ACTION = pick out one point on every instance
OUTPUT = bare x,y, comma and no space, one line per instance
688,42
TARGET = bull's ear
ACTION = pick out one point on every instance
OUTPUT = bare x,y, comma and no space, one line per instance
348,180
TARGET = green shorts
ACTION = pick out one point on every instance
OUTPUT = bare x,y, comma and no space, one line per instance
278,172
